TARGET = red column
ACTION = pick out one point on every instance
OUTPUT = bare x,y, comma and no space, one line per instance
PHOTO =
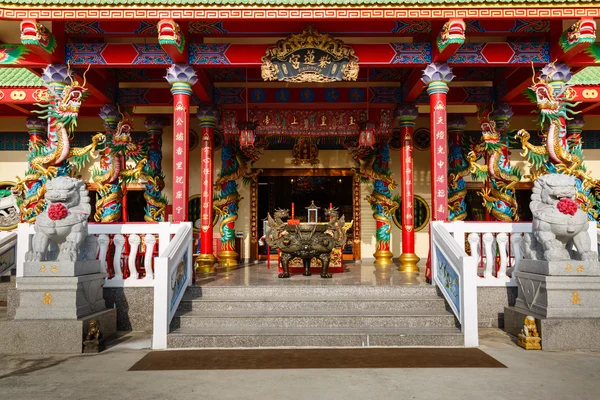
437,76
406,115
181,77
208,115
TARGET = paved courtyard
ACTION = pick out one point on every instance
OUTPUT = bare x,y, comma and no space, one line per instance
531,375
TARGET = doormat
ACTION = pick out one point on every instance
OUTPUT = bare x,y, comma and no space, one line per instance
173,360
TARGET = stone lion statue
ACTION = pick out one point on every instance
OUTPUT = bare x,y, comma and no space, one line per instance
558,223
64,223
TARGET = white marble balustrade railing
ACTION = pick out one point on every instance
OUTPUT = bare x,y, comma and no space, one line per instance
8,244
126,251
497,247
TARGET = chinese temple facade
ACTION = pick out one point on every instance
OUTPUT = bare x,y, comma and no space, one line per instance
396,113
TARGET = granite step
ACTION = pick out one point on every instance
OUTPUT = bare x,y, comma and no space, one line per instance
314,319
196,337
268,304
308,291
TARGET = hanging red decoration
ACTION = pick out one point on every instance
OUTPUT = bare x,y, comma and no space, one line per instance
247,133
366,138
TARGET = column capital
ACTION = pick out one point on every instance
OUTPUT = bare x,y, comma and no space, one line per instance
155,124
35,125
406,114
181,77
501,115
208,116
556,72
437,76
57,73
456,122
575,125
110,115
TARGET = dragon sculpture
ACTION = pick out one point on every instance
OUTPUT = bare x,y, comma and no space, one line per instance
156,201
581,32
453,32
34,33
113,174
169,32
375,169
558,154
458,168
55,157
233,167
499,197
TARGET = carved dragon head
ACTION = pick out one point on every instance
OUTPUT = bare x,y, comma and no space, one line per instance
453,32
489,133
582,31
169,33
65,104
32,32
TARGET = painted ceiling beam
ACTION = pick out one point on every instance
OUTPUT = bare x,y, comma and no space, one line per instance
203,88
512,83
282,28
579,37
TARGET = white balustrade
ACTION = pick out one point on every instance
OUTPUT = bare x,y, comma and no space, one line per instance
454,273
173,275
497,247
112,243
8,256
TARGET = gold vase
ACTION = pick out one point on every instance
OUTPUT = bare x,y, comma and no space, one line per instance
206,264
228,260
408,262
383,257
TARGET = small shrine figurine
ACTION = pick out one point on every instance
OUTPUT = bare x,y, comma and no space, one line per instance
94,342
529,338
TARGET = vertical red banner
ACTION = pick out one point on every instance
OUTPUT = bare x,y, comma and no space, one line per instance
206,188
407,187
439,157
180,156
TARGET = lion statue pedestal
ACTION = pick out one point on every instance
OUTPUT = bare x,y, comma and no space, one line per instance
559,278
62,285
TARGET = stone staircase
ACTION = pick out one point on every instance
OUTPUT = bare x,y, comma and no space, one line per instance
313,316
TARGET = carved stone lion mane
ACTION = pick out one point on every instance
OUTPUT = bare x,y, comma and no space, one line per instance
63,224
556,234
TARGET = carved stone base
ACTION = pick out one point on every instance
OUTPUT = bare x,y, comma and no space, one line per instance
529,342
560,268
557,334
559,296
53,336
60,297
61,268
93,346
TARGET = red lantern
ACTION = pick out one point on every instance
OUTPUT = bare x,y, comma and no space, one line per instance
366,137
247,133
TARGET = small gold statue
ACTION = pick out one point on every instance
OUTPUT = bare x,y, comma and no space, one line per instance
529,338
94,342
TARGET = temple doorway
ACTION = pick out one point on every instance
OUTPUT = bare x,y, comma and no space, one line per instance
282,188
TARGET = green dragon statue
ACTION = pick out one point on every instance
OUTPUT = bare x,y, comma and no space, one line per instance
499,196
55,157
558,153
113,174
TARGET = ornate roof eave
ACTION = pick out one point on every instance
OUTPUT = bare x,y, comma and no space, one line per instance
227,9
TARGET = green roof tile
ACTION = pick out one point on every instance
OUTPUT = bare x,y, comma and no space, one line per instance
281,3
19,77
587,76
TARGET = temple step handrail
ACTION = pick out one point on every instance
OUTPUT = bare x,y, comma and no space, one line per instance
496,247
126,251
173,275
454,273
8,252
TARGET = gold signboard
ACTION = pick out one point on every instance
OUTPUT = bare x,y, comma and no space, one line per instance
310,57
